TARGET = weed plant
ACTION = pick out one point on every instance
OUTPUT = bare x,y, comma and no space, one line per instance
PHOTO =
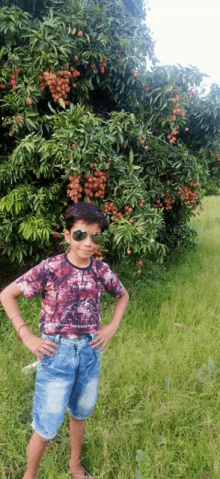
157,415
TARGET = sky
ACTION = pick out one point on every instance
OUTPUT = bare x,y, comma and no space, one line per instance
187,32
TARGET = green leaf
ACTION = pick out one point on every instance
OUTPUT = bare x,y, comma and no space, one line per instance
64,439
51,109
156,98
2,51
137,474
166,384
211,366
140,455
61,103
31,123
131,156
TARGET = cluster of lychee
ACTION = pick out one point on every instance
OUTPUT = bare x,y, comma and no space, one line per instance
177,111
13,82
75,190
140,262
129,211
14,85
59,87
141,204
55,233
112,209
13,78
172,138
143,141
102,65
29,101
98,255
94,67
94,186
158,204
176,99
134,71
168,200
146,87
218,157
193,185
10,122
95,183
190,197
191,93
18,118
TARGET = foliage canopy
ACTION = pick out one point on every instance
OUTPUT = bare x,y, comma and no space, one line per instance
84,118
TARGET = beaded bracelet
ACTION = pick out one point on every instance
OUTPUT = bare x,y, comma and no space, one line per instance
18,338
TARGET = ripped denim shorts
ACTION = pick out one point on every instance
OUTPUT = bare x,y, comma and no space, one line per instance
68,380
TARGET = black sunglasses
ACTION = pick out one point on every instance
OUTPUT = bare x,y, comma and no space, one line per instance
79,235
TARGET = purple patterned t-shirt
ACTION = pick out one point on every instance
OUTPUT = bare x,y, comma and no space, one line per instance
71,295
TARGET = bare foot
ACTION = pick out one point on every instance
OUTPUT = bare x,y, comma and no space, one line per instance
78,472
27,476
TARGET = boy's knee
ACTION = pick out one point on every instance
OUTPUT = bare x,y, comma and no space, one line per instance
43,439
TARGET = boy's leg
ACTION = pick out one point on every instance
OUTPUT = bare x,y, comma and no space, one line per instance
77,429
36,448
81,404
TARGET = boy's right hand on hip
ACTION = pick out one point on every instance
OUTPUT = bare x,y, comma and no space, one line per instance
39,346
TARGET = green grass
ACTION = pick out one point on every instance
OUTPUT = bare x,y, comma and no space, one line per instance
154,395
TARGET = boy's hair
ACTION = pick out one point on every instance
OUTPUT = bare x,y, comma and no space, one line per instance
87,212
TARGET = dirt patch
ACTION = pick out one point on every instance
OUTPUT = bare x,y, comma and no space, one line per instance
9,272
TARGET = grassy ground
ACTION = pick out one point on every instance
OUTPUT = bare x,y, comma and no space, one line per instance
157,414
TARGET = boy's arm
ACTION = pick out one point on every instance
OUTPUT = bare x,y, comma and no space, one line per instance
37,345
104,333
8,299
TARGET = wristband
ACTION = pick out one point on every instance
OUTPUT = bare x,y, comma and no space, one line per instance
18,338
17,314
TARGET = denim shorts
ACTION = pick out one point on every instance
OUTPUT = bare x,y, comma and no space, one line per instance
68,380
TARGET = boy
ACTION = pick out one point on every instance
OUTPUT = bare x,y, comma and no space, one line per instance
72,339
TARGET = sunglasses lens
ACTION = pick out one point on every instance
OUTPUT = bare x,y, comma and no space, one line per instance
97,238
79,235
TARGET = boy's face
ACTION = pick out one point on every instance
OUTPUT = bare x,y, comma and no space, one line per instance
81,251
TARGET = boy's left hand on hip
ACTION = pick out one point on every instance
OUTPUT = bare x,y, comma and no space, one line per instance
103,334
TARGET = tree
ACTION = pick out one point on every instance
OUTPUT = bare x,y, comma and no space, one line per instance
38,8
84,120
201,136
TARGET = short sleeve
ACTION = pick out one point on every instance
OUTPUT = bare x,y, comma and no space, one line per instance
34,281
111,282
